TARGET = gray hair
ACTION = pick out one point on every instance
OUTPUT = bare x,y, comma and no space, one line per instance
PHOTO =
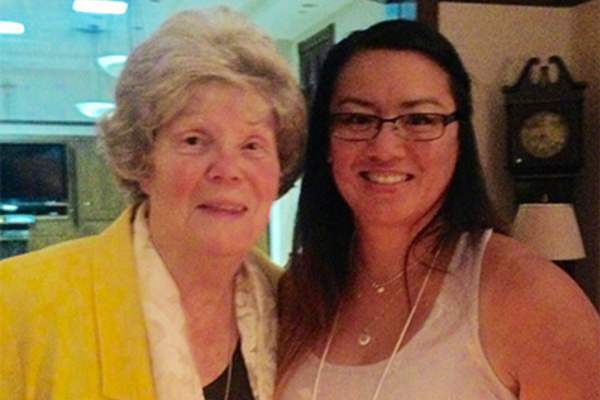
195,47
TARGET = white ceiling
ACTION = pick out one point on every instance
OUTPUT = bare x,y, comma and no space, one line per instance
55,34
59,41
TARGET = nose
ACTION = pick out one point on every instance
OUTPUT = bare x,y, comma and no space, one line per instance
224,166
387,143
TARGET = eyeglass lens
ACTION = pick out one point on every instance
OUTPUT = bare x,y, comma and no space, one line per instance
417,126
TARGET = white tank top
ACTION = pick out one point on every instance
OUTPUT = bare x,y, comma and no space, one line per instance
443,361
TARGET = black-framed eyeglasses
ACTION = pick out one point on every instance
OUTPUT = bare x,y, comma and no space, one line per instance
419,127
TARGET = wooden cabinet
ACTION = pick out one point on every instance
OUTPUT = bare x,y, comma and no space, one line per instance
95,199
48,231
98,197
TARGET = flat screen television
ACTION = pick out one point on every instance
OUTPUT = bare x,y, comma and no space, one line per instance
33,178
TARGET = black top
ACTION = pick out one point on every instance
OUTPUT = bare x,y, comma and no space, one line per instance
240,385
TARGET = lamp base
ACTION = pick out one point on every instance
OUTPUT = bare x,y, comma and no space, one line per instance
557,189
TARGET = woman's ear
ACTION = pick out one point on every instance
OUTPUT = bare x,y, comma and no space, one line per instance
144,185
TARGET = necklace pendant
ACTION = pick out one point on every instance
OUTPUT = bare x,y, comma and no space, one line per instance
379,289
364,339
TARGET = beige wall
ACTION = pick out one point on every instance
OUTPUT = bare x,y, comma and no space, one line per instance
495,41
586,46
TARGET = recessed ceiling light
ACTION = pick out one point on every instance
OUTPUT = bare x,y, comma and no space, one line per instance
100,6
94,109
112,64
11,28
9,207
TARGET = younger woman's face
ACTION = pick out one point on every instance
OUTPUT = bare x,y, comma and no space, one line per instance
388,180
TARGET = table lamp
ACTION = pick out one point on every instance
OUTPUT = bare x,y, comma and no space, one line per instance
551,229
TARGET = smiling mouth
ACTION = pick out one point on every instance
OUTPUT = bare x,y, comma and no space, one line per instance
386,178
223,208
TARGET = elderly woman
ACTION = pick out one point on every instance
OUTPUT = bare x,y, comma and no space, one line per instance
170,302
401,285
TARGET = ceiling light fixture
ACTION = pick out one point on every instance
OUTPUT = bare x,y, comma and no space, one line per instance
9,207
100,6
94,109
112,64
11,28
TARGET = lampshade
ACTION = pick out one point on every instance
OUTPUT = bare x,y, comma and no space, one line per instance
551,229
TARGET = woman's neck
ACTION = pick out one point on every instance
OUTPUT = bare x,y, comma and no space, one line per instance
195,270
385,246
381,250
211,324
207,294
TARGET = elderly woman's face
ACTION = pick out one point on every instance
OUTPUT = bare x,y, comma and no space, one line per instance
389,180
216,172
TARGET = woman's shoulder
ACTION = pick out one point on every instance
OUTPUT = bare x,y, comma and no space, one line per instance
53,259
535,322
63,261
511,269
514,275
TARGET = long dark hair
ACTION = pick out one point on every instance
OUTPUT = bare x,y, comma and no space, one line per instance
320,267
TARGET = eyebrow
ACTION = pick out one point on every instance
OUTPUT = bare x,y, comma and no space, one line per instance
405,104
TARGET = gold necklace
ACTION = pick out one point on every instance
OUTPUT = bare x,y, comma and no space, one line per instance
365,338
401,336
380,288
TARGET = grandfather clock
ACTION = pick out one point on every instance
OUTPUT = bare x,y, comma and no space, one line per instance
544,111
544,118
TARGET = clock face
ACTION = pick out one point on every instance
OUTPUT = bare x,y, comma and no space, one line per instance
544,134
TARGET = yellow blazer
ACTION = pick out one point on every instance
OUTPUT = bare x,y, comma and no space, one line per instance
71,322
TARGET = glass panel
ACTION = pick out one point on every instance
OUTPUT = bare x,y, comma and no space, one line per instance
58,66
60,58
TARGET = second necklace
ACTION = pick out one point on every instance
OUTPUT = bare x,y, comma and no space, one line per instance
399,342
365,337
